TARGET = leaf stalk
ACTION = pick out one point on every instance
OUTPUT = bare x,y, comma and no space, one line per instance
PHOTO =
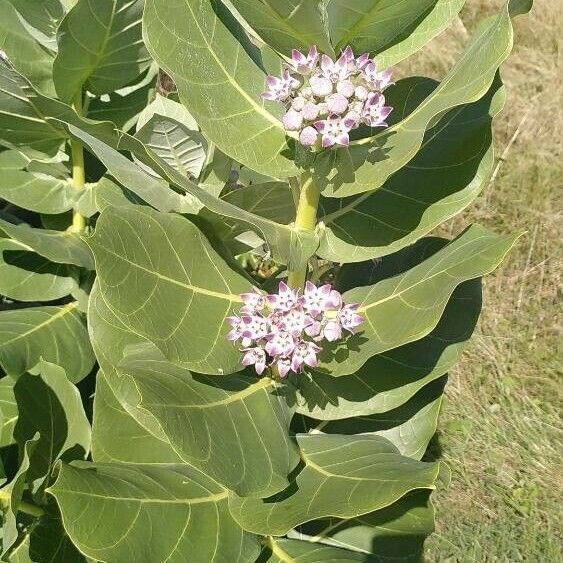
78,170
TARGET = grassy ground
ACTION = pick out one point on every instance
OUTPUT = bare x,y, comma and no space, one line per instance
500,430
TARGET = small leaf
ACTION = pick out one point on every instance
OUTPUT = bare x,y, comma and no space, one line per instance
100,47
180,506
56,334
8,411
341,477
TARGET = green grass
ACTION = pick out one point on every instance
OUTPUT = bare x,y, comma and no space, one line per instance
500,431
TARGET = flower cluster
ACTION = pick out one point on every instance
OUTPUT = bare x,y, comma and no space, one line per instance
327,98
286,329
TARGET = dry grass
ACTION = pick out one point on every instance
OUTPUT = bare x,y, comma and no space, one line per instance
500,429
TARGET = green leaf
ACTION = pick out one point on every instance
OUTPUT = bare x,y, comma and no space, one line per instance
163,279
389,29
166,107
175,142
387,381
341,477
26,276
100,47
281,550
11,497
8,411
50,405
394,534
454,163
369,162
287,24
235,429
37,192
409,427
220,76
54,334
406,307
58,246
118,437
44,17
24,52
182,510
22,123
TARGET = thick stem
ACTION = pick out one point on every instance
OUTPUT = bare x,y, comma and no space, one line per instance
78,172
305,220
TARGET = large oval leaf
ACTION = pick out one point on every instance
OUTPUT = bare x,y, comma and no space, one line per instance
120,512
100,47
367,163
55,334
164,280
341,477
406,307
220,76
455,161
235,429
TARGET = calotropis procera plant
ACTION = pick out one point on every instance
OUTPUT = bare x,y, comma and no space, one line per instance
215,222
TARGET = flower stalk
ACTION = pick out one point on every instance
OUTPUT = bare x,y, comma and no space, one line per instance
78,170
305,220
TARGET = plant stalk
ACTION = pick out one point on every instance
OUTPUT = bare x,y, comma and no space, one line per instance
78,171
28,508
305,220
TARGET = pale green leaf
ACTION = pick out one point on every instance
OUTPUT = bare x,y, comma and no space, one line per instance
287,24
120,512
220,76
26,276
26,54
58,246
448,173
50,405
282,550
341,477
55,334
100,47
394,534
235,429
166,107
388,380
163,279
407,307
369,162
37,192
389,29
8,411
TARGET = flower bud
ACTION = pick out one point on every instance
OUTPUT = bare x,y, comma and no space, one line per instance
337,103
310,111
323,109
361,92
308,136
298,103
292,120
345,87
321,86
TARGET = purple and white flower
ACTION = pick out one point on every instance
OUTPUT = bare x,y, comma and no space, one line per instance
314,88
285,330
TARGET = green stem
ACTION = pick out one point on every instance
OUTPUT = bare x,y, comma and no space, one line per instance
28,508
78,172
305,220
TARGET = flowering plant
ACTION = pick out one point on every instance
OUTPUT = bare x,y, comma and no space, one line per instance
215,222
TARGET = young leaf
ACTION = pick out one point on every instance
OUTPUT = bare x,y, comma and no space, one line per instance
406,307
27,276
341,477
182,509
55,334
220,76
100,47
